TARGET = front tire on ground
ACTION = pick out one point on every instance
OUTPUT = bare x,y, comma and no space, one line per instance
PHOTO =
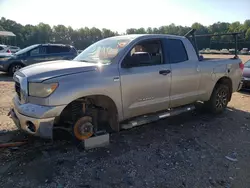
219,99
14,67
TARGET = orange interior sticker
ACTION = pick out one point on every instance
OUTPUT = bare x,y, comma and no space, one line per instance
122,44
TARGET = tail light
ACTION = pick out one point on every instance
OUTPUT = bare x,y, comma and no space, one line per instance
8,51
241,65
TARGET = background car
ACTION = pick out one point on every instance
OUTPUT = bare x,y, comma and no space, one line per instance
246,75
13,49
8,49
35,54
4,49
79,51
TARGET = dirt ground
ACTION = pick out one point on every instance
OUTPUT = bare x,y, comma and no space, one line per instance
190,150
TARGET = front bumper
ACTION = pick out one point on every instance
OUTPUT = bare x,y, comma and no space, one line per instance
35,119
240,86
245,84
3,66
37,127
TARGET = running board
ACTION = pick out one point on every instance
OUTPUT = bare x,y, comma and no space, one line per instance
141,120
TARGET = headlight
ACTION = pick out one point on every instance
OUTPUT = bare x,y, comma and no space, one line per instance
42,89
4,58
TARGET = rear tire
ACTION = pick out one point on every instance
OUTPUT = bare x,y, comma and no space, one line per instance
219,99
14,67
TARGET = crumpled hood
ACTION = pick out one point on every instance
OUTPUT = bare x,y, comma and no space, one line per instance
51,69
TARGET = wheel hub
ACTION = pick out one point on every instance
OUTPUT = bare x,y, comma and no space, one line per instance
83,128
221,99
16,68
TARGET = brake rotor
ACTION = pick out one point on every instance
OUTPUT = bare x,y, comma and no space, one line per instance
83,128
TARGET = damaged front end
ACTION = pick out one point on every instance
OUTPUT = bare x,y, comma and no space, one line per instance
35,119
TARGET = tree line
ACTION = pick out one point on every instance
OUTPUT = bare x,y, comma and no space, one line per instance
81,38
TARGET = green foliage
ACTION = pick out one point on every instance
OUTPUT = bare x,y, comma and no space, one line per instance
83,37
248,34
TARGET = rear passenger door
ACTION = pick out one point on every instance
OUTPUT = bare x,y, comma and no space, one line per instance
58,52
185,75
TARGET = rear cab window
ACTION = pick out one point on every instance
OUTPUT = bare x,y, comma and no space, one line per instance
175,51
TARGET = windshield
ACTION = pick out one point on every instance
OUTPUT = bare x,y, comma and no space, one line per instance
103,51
26,49
247,64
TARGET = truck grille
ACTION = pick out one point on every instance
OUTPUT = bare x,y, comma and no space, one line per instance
18,89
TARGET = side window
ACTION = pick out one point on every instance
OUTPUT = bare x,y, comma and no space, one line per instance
146,53
58,49
42,50
38,51
176,50
1,48
65,49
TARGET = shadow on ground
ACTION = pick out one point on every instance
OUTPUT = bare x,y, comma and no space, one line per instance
245,91
184,151
5,77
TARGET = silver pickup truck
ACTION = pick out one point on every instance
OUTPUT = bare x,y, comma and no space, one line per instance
121,82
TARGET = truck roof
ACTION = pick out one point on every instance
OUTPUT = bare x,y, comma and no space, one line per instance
51,44
134,36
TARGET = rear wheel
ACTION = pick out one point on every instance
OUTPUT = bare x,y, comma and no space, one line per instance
219,99
15,67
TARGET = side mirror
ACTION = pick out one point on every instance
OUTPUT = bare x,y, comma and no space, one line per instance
128,62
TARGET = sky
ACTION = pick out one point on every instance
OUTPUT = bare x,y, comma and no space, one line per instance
119,15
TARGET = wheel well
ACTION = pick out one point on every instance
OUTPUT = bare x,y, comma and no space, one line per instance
101,107
228,82
16,62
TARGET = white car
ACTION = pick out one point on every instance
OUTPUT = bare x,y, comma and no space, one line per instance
8,49
14,49
4,49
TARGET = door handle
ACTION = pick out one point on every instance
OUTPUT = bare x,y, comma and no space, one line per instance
164,72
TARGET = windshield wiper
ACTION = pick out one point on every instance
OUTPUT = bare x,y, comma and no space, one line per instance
87,61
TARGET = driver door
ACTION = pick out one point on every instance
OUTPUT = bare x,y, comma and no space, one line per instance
145,79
